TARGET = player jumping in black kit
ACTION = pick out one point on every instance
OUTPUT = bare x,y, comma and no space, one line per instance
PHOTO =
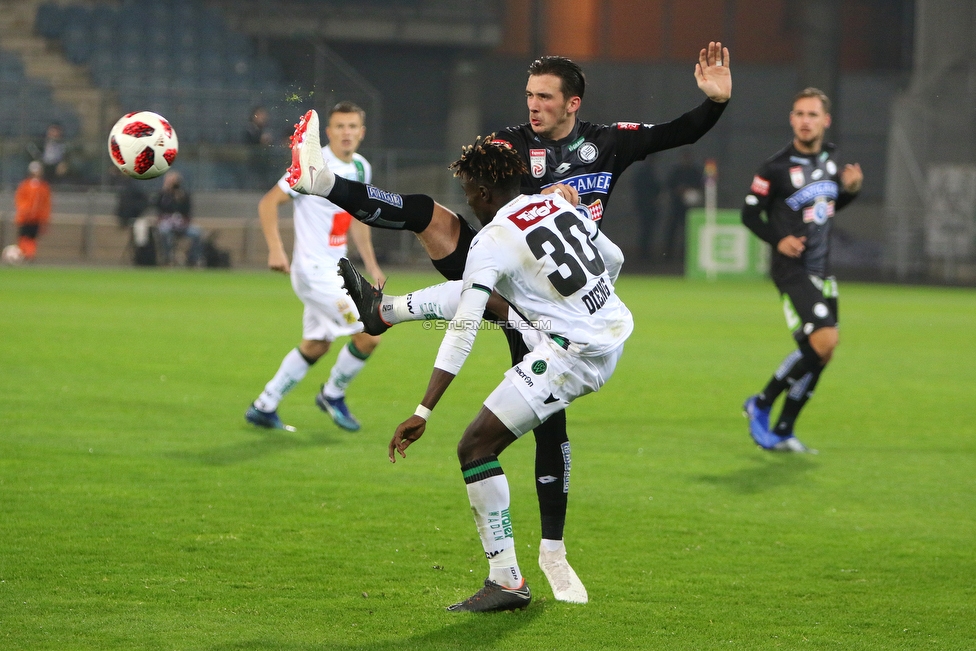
564,154
799,189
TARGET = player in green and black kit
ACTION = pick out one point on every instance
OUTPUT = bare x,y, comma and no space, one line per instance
799,189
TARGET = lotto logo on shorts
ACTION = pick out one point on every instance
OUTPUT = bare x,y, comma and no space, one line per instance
760,186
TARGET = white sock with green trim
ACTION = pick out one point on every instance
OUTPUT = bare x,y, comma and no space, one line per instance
292,370
347,366
490,499
438,302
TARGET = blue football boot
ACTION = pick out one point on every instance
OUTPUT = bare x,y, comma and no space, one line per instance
759,424
337,409
266,419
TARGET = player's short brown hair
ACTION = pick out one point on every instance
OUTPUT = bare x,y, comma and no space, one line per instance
348,107
810,91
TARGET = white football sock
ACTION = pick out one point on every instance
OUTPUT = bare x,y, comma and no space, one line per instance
552,545
438,302
490,500
292,370
347,366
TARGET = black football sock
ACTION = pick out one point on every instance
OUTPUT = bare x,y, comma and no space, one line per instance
799,394
797,364
382,209
552,465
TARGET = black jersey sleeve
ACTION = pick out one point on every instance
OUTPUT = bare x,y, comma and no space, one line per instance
758,202
635,142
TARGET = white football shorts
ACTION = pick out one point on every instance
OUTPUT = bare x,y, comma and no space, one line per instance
329,312
547,380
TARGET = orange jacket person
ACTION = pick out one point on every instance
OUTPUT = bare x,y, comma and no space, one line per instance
33,201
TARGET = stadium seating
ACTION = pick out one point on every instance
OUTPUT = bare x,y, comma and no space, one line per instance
175,57
26,104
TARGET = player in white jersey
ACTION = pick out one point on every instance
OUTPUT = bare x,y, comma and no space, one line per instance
321,229
556,270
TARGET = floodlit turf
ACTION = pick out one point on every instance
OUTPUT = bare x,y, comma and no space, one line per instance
139,511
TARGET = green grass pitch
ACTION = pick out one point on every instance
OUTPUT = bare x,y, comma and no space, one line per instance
139,511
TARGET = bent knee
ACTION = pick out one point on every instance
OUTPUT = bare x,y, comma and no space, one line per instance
824,341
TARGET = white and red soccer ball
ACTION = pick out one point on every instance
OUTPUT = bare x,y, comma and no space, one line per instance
11,255
143,144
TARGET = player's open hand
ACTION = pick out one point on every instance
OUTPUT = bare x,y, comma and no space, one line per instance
851,178
713,74
406,433
278,261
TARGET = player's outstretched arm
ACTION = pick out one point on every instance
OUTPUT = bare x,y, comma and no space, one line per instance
713,74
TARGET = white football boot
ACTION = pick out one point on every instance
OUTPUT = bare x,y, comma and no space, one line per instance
566,586
308,173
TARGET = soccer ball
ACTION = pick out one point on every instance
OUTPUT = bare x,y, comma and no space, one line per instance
12,254
143,145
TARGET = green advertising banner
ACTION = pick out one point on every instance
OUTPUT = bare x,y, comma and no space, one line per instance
724,248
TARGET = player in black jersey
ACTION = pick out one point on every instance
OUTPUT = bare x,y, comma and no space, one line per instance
580,160
799,189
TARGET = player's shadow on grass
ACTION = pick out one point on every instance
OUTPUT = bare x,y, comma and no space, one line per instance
471,632
765,474
259,443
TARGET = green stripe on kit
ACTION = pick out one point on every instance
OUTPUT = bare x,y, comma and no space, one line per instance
481,471
355,352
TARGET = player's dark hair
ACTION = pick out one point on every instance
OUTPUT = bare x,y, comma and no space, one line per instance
813,92
492,163
572,82
348,107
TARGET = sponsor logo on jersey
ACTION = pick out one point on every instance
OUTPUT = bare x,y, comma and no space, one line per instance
573,146
820,189
796,177
817,174
759,186
597,182
562,169
819,212
533,213
628,126
394,200
539,367
799,161
537,162
521,374
340,226
831,167
502,143
596,297
588,152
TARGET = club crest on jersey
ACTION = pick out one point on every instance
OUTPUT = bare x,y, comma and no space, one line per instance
796,177
537,162
532,213
819,212
588,152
